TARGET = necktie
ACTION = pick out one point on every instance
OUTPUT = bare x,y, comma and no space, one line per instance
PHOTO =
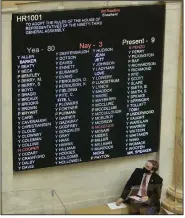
143,190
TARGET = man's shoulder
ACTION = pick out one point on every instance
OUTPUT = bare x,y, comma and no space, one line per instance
158,177
138,170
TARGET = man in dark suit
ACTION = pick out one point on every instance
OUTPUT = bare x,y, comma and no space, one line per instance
149,189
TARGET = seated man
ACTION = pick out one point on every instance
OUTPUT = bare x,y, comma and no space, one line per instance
150,186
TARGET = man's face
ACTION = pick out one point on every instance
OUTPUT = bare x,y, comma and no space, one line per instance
149,166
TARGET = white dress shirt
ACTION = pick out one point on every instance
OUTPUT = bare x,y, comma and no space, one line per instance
147,181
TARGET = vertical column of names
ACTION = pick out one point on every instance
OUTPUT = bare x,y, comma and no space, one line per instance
138,117
29,137
103,104
68,83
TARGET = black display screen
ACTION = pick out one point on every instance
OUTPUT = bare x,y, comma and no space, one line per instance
86,84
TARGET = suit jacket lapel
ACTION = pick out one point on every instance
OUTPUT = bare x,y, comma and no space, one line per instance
152,178
139,178
150,185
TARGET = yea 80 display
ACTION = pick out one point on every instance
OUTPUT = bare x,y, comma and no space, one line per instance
86,84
